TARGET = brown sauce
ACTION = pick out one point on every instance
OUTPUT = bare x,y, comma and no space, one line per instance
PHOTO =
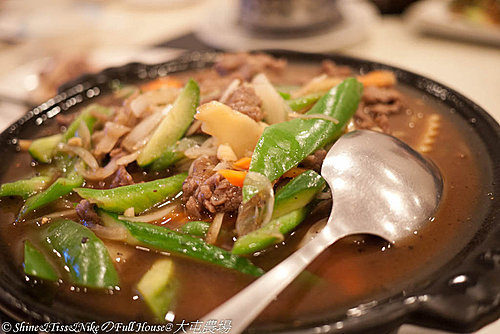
354,270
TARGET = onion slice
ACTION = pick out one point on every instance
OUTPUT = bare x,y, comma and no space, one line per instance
152,99
229,90
59,214
274,107
84,134
193,128
112,132
84,154
117,233
99,173
258,210
125,160
141,133
214,229
207,148
153,216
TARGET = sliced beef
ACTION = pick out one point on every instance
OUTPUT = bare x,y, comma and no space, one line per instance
244,100
86,212
331,69
206,191
376,106
244,65
122,178
315,160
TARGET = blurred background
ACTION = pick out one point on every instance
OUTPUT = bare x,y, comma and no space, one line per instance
45,43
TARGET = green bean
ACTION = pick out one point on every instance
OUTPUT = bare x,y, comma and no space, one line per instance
25,188
164,239
61,187
140,196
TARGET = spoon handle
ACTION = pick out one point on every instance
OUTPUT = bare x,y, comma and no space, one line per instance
244,307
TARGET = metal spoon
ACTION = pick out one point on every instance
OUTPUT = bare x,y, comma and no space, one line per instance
379,186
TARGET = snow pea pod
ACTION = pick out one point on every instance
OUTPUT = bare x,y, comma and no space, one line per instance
25,188
140,196
283,145
35,264
164,239
83,253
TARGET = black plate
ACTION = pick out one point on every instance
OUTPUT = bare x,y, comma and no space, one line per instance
462,305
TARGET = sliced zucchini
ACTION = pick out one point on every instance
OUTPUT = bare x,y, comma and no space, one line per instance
173,126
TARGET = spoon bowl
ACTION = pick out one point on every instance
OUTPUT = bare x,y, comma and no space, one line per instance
380,186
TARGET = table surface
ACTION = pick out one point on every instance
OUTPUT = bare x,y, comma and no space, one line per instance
472,69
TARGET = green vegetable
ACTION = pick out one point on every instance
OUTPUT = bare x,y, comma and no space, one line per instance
289,211
283,145
35,263
297,193
140,196
285,96
61,187
303,102
25,188
164,239
196,228
43,149
158,287
83,254
176,152
269,234
173,125
85,116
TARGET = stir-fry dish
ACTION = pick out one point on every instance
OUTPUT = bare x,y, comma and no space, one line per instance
167,197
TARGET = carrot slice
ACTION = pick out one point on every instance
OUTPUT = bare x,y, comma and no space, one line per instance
160,83
378,78
294,172
243,163
235,177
